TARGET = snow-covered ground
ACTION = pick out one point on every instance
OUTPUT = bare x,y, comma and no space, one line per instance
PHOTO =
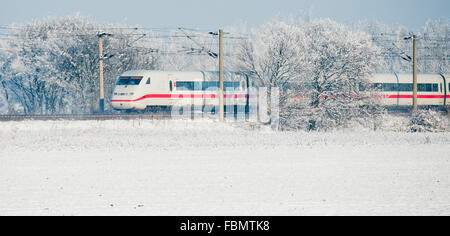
206,168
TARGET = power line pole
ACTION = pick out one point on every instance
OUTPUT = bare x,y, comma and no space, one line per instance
221,89
102,92
415,105
102,57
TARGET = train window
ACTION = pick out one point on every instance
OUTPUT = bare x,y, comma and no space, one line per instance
129,81
424,87
210,86
171,86
427,88
207,86
405,87
149,81
135,81
231,84
378,86
190,86
387,87
420,88
391,87
185,85
214,85
198,86
123,81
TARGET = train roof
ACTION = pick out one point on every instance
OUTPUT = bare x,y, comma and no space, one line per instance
405,78
192,75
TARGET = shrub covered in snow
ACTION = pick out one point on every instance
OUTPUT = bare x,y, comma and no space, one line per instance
428,121
3,104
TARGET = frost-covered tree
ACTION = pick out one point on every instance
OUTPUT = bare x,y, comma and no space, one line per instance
3,90
272,56
319,67
335,64
4,104
40,69
52,65
434,56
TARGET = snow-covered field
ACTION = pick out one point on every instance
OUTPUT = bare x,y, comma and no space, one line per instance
206,168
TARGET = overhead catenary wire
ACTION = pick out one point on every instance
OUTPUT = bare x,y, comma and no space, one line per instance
204,40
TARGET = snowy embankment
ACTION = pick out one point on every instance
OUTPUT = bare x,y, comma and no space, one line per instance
206,168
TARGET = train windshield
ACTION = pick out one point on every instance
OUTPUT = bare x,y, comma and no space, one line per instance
130,80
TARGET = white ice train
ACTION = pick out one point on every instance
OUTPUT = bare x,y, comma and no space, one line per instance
138,90
397,89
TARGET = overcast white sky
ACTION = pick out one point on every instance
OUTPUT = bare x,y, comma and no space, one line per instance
212,14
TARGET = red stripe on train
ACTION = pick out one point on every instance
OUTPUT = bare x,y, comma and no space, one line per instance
418,96
383,96
191,96
213,96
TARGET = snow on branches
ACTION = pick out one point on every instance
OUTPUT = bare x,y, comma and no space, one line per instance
319,67
52,65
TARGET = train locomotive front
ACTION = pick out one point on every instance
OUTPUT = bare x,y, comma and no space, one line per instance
128,90
137,90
